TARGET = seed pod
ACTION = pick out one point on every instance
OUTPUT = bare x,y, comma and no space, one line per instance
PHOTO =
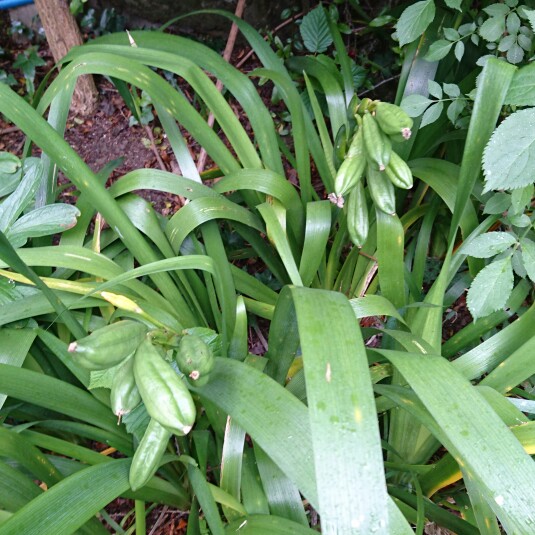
125,395
108,346
399,172
393,120
166,396
357,215
148,454
352,167
382,191
378,145
364,105
195,359
340,146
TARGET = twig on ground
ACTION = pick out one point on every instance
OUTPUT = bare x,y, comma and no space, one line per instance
148,129
231,41
159,521
9,130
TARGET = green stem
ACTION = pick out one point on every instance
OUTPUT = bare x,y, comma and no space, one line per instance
141,519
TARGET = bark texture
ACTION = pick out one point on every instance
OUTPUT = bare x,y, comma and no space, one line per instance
62,34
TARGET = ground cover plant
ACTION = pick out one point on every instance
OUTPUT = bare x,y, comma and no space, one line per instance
145,318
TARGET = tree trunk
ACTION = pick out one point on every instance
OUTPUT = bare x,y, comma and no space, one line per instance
62,33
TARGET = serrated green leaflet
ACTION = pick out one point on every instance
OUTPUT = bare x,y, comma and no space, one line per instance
510,153
414,21
489,244
528,256
491,288
315,31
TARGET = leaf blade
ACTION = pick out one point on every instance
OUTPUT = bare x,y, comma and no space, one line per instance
491,288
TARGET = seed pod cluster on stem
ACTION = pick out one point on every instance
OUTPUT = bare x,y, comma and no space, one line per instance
371,159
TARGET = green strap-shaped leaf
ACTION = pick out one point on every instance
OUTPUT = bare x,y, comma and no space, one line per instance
57,395
87,261
16,489
485,518
276,231
300,127
475,434
486,356
22,114
333,92
144,218
253,495
206,499
345,434
13,260
71,503
281,492
390,248
374,305
206,209
136,73
435,513
516,368
231,463
492,87
77,235
443,177
318,226
14,447
256,402
267,525
14,346
235,81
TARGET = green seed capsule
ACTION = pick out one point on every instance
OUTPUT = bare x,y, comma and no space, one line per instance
108,346
378,145
393,120
148,455
166,396
340,146
357,215
195,359
125,395
381,190
399,172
